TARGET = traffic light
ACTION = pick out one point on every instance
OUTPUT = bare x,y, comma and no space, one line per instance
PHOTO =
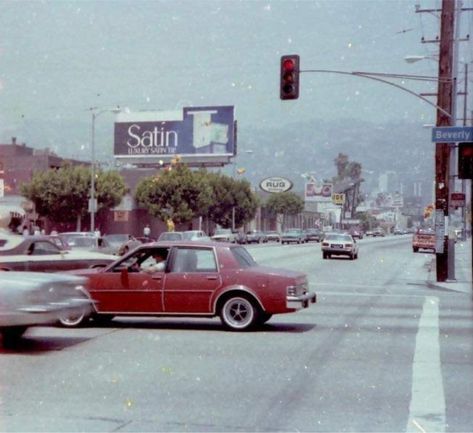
289,79
465,160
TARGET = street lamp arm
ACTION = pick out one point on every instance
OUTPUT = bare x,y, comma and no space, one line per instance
376,77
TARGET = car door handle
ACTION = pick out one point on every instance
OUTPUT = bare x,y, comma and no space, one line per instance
157,277
212,277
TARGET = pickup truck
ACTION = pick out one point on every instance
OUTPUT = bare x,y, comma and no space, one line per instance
423,239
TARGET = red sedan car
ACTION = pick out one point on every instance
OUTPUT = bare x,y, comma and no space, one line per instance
205,279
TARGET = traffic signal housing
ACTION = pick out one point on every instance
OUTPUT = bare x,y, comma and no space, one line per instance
465,160
289,77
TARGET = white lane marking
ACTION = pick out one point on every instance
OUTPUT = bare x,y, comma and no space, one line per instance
427,407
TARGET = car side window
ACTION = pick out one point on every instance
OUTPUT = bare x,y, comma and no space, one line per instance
206,261
41,248
194,260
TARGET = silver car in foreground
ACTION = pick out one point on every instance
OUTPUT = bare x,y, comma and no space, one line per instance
34,298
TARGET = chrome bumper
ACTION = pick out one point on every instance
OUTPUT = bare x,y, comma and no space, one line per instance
299,302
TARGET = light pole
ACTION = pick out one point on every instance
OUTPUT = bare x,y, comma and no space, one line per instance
235,172
93,201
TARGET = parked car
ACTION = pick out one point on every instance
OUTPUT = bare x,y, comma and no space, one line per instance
89,243
379,232
195,235
241,238
199,279
339,244
256,237
273,236
313,235
224,235
296,236
190,235
171,236
33,298
121,242
40,254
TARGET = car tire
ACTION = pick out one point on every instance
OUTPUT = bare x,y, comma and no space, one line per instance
73,320
263,317
415,249
324,255
103,319
238,313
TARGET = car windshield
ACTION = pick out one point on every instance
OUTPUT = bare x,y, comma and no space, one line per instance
279,149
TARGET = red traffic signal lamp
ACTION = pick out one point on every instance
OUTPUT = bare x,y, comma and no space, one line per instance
289,77
465,160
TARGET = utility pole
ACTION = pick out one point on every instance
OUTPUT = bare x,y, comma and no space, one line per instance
445,101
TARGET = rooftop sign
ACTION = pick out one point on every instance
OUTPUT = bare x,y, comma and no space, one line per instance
275,184
194,133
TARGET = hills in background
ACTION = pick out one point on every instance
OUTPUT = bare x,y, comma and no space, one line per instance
289,151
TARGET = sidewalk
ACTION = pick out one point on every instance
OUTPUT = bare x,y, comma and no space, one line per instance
463,270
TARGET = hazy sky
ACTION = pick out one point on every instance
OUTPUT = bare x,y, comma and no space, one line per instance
58,58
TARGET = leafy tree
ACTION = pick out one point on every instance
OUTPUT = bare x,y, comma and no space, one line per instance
62,195
230,195
285,203
178,194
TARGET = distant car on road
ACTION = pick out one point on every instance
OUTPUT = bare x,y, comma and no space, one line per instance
339,244
32,298
296,236
378,232
205,279
313,235
356,233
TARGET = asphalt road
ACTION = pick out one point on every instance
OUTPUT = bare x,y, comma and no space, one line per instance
379,352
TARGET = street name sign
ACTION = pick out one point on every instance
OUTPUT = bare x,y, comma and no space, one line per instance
452,134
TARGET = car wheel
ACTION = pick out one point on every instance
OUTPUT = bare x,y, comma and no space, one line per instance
72,319
238,313
12,334
415,249
352,256
324,255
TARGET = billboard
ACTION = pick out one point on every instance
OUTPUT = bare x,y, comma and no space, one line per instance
318,192
197,134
